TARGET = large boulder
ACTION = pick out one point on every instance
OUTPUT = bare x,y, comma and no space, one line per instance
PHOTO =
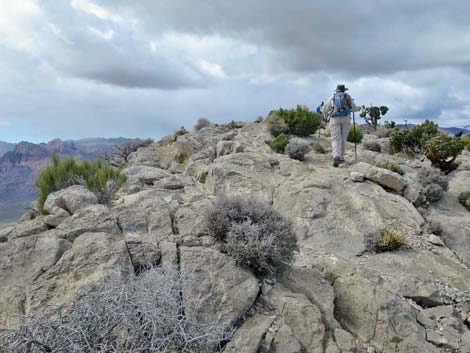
95,218
91,257
379,317
23,261
70,199
215,290
140,176
27,228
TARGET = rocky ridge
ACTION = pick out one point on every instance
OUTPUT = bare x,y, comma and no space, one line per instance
338,297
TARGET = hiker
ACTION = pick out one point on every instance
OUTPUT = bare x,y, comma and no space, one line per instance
339,109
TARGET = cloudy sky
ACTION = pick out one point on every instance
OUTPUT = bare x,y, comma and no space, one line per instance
83,68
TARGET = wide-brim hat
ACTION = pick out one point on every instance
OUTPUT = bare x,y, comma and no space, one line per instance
341,88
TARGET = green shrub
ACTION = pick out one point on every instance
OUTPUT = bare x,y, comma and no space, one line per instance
276,125
300,121
464,199
466,142
415,139
279,144
98,176
255,235
443,149
355,134
390,166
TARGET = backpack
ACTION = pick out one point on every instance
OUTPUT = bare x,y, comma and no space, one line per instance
342,104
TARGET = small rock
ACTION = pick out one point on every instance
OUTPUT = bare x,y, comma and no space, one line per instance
357,177
435,240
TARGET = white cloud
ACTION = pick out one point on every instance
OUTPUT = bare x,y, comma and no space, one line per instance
93,9
107,35
212,69
18,21
58,33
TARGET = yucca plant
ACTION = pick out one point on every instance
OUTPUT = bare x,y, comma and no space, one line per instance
98,176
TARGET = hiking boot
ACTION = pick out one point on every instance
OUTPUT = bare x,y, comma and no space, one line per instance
336,161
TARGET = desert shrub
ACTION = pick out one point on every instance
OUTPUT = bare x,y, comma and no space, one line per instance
202,123
98,176
297,150
383,131
466,142
372,146
355,134
276,125
123,151
259,119
318,148
389,124
390,166
142,314
300,121
433,184
255,235
385,240
415,139
443,149
464,199
279,144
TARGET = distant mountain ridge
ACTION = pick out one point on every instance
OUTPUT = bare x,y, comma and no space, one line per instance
21,163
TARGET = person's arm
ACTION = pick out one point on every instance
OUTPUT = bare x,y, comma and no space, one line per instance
354,107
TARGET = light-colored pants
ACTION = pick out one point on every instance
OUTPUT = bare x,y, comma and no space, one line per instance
339,135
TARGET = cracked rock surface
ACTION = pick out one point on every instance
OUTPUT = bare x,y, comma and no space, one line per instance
338,297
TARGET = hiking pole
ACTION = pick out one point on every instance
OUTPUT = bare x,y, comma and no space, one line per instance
355,138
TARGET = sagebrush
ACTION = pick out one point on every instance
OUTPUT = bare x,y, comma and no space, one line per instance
433,184
255,235
372,146
202,123
276,125
297,150
115,315
99,177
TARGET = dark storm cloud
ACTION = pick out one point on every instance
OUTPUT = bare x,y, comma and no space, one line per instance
359,37
76,68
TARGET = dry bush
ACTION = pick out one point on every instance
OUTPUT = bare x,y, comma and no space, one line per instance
202,123
372,146
433,184
255,235
297,150
144,314
386,240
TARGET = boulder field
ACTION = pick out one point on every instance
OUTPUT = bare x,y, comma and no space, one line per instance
337,297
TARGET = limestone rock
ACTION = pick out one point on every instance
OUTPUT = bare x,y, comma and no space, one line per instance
378,316
95,218
27,228
250,336
91,257
381,176
215,290
140,176
70,200
23,261
143,254
357,177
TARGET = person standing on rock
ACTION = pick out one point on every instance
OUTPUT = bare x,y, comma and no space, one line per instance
339,109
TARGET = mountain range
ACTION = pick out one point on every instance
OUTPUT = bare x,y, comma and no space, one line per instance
21,163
